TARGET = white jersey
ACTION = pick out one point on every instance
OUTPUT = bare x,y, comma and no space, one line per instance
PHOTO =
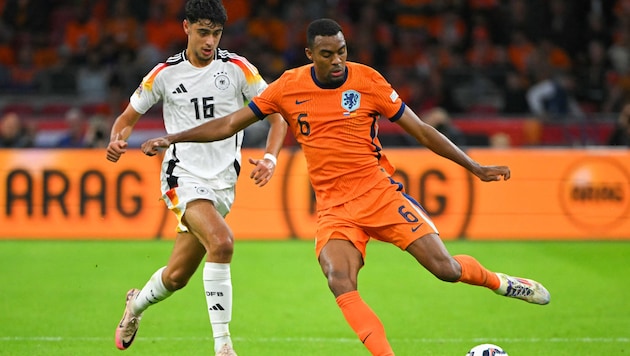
191,96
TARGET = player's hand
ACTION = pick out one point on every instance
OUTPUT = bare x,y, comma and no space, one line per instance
115,149
262,173
151,147
492,173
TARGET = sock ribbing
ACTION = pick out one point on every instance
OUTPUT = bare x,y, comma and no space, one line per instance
476,274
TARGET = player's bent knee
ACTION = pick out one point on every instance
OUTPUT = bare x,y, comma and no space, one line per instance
448,271
340,283
220,246
224,247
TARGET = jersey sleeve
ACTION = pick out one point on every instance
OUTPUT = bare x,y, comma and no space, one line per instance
389,102
267,102
149,91
252,83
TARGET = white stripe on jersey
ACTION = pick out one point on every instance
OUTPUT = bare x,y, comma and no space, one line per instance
224,53
176,57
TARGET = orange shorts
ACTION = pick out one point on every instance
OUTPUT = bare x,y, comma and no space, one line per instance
385,213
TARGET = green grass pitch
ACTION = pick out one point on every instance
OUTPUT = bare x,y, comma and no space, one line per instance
66,297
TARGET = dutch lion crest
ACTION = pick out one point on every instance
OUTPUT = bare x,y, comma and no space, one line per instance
350,100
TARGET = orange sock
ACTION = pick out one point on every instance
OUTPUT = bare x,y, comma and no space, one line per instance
476,274
365,323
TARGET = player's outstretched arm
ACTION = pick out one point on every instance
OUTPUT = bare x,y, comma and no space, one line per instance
265,167
440,144
213,130
121,130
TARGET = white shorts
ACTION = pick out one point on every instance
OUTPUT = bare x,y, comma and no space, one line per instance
190,189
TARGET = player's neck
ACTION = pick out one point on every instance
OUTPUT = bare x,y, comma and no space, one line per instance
195,61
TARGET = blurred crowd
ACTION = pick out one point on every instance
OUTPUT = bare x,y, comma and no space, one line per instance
550,58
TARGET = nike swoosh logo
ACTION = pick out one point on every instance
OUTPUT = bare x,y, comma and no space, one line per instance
368,335
414,229
126,344
298,102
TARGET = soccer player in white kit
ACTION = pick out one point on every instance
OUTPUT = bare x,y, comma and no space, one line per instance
198,84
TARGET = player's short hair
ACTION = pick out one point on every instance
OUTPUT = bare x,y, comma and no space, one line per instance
212,10
321,27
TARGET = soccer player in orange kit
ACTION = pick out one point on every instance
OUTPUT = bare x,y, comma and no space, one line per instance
332,108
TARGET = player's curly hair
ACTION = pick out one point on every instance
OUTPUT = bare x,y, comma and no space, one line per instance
212,10
321,27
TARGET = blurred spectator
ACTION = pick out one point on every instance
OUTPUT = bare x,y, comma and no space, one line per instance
296,20
592,77
82,33
500,140
482,54
619,51
174,8
548,56
515,94
478,93
25,75
448,28
27,18
565,24
373,36
267,29
13,133
163,33
597,29
519,49
407,51
618,93
441,121
92,79
75,131
239,12
523,17
621,133
60,78
97,132
123,79
121,26
7,52
7,59
488,14
552,96
412,14
421,95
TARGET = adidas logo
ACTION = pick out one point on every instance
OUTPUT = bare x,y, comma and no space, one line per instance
216,307
180,89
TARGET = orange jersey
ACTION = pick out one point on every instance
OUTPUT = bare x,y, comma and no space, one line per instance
336,127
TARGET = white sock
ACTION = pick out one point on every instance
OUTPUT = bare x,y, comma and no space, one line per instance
152,292
217,284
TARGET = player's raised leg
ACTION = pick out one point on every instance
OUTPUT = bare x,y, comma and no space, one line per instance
184,260
432,254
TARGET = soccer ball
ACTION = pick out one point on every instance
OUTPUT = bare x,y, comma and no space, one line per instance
486,350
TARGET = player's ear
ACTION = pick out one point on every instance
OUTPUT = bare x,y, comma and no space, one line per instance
309,53
186,25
